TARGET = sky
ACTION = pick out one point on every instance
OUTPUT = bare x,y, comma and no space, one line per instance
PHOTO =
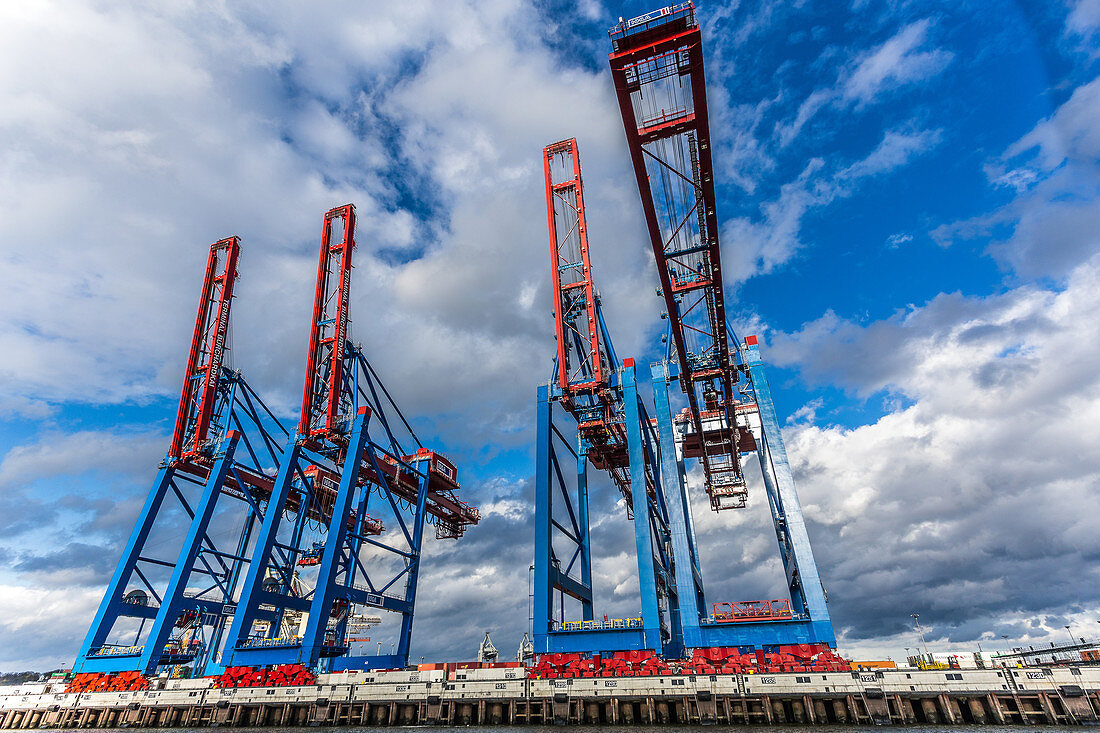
909,198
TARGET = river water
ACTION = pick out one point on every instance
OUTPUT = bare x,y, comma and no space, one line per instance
644,729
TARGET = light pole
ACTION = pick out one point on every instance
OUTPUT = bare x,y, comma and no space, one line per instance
916,620
1072,643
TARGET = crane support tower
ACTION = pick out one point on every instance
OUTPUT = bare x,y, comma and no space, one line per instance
345,451
591,414
657,67
170,599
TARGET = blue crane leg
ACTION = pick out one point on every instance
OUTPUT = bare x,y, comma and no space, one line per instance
405,639
324,594
111,606
585,546
252,592
210,666
175,601
643,537
691,602
799,562
543,602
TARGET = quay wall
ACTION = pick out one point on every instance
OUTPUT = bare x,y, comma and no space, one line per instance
1063,695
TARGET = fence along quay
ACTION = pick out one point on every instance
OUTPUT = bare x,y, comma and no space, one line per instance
1063,695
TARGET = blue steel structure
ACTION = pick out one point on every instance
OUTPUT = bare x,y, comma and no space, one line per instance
657,67
254,497
345,452
591,414
214,481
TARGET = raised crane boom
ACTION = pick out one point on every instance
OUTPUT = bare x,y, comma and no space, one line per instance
208,343
324,400
586,360
657,67
332,393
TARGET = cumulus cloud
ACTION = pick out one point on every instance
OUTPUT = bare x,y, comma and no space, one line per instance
975,496
759,245
133,137
1052,224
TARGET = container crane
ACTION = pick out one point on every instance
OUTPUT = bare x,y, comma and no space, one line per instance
611,431
657,68
345,450
217,472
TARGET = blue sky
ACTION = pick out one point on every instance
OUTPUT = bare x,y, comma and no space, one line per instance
909,203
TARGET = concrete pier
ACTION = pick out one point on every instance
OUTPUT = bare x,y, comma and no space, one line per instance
1063,696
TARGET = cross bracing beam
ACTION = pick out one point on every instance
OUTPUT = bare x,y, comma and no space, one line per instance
563,553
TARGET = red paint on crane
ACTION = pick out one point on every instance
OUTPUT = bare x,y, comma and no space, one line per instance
204,362
328,331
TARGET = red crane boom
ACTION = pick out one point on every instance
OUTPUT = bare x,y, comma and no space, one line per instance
657,67
208,344
324,401
586,358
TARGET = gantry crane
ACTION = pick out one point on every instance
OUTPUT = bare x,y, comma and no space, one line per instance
345,450
657,67
591,413
226,443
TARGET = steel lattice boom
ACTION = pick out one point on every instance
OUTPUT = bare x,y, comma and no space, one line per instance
324,400
657,66
586,361
191,436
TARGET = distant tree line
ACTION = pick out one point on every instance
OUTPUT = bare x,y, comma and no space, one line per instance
18,678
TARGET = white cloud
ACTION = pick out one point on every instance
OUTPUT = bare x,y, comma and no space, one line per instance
1082,23
870,75
972,494
26,612
760,245
896,149
134,137
896,62
895,241
1054,221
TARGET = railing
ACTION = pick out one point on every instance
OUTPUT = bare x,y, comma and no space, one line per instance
734,611
655,17
278,641
611,623
118,651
